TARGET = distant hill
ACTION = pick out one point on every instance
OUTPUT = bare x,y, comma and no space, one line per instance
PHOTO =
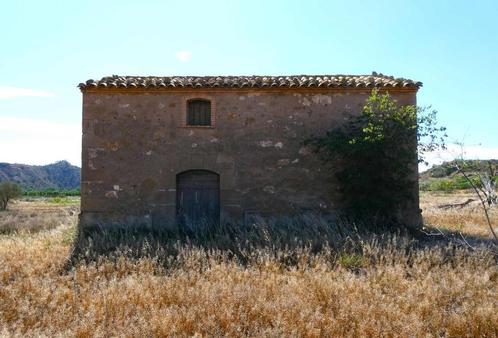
446,177
58,175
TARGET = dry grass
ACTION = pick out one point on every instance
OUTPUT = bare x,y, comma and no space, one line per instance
384,287
36,214
470,219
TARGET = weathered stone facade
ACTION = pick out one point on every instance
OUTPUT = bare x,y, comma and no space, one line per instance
136,142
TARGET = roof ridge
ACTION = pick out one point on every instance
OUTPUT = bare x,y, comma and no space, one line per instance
374,80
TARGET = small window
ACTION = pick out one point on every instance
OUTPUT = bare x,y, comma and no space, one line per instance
198,112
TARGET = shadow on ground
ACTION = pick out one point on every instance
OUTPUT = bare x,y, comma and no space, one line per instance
274,236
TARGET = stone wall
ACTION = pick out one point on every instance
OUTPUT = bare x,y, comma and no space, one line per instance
136,142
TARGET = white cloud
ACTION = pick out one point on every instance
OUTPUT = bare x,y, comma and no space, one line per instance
7,92
183,55
455,151
33,141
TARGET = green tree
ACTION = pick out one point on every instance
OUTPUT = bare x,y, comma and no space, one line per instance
8,191
374,155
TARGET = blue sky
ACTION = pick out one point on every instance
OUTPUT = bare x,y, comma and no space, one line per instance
48,47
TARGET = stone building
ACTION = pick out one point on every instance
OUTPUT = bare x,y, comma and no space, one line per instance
159,150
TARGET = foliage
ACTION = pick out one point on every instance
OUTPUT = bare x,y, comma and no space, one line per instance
430,134
51,192
450,184
8,191
374,155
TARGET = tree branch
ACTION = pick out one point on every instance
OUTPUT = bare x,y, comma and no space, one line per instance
483,203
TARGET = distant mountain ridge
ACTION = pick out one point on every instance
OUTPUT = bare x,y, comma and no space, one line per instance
448,169
58,175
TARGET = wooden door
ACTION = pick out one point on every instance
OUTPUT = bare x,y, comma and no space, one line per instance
197,197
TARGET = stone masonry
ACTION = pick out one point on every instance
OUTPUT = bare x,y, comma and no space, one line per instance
136,142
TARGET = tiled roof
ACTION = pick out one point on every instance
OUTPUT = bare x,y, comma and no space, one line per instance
294,81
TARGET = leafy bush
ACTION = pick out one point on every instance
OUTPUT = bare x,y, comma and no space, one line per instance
377,151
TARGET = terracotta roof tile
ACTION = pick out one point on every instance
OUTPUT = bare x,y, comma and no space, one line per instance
300,81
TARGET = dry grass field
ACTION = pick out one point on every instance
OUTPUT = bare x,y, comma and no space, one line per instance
387,286
469,219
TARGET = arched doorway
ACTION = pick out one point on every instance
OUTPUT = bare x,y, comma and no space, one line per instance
197,197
